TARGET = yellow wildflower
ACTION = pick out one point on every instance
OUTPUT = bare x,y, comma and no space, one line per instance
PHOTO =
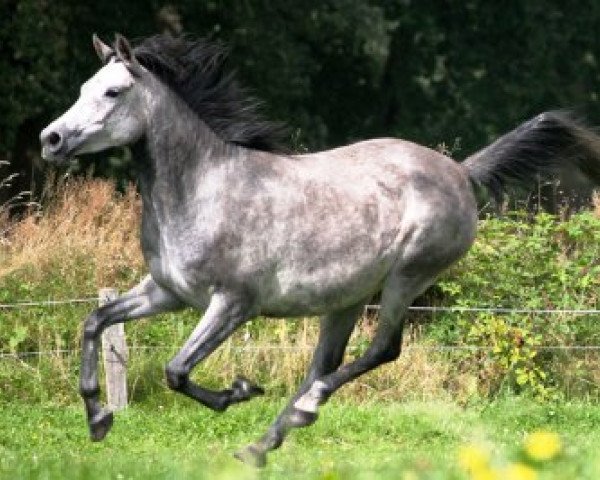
484,474
520,471
472,458
542,445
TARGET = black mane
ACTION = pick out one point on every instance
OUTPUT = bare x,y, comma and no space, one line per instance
194,69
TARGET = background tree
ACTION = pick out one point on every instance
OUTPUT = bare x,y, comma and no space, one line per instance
432,71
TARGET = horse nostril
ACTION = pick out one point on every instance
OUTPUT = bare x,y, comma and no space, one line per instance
54,139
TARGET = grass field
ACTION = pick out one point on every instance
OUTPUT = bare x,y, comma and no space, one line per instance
350,441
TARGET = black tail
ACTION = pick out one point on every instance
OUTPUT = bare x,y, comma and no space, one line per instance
539,148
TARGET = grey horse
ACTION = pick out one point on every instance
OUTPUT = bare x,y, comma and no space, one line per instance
237,227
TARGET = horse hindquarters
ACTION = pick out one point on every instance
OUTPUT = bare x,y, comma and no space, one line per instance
409,278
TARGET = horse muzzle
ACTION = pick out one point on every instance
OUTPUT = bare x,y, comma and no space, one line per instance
58,146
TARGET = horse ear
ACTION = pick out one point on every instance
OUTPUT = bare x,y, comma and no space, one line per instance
125,54
102,49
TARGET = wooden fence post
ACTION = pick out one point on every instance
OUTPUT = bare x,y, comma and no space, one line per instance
115,354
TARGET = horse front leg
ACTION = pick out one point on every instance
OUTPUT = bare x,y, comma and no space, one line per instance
146,299
226,312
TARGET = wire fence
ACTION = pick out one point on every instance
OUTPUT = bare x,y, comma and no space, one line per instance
47,303
416,308
302,348
498,310
275,347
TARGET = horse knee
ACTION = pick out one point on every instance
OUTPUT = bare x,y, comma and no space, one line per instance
89,390
176,377
92,326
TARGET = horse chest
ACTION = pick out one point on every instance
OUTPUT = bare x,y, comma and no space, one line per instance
171,275
167,273
174,264
166,255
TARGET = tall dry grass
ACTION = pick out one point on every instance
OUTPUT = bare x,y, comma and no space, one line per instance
80,219
9,201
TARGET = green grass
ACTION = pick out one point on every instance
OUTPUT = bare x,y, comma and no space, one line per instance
356,441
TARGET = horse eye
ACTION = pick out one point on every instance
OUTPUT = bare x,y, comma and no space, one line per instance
112,92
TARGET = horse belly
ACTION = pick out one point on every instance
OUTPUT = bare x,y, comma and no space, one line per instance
323,288
335,263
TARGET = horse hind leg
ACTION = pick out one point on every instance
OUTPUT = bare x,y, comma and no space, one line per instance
335,330
397,295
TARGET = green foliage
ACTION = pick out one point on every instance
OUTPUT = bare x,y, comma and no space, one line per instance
512,351
524,263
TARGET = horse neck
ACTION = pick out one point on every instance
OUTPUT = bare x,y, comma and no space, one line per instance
180,150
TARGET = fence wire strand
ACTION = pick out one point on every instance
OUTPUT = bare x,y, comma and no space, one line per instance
308,348
275,347
499,310
415,308
47,303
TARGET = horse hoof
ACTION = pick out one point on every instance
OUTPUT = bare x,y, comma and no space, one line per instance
253,456
301,418
100,425
245,389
